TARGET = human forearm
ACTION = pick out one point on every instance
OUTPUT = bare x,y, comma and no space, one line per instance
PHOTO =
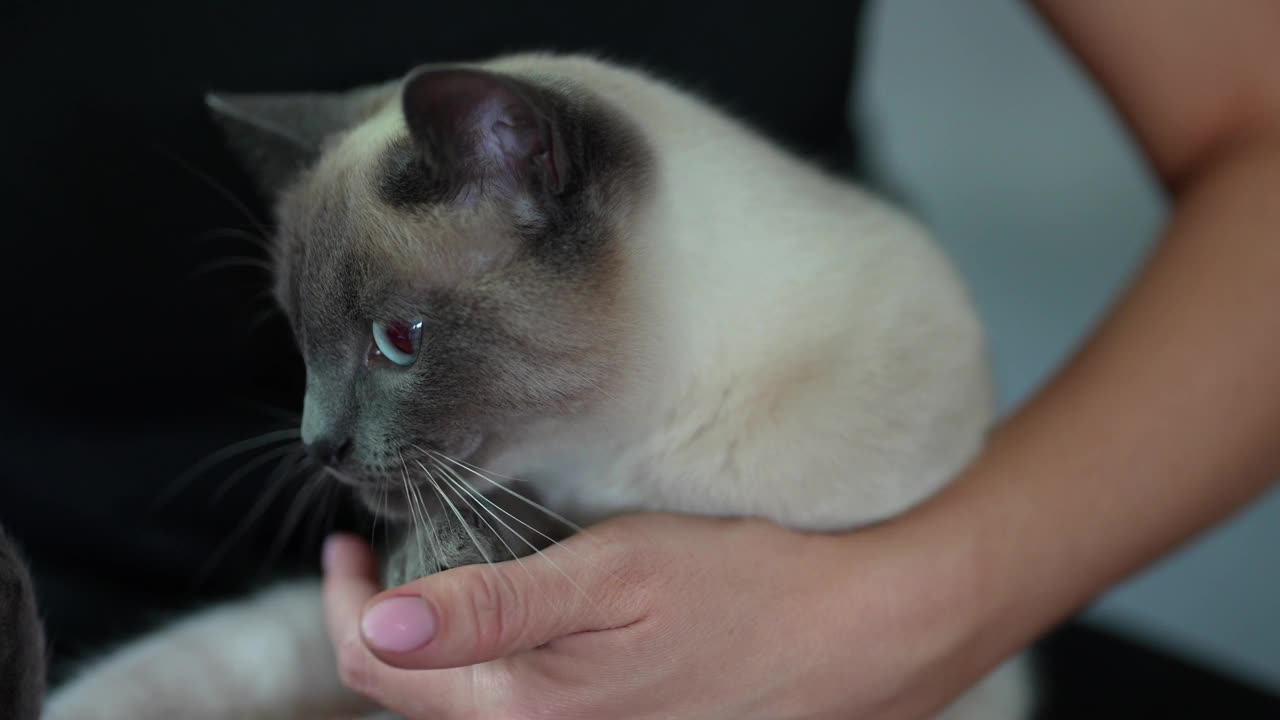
1168,419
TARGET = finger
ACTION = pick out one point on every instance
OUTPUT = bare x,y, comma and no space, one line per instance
350,579
346,555
474,614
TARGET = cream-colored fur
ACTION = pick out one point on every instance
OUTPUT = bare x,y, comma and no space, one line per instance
817,363
264,658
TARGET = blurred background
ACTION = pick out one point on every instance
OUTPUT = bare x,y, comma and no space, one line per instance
975,116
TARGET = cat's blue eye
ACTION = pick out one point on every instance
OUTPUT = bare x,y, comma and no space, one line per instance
398,340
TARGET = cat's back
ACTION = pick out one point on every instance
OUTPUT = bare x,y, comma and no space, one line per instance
731,204
803,327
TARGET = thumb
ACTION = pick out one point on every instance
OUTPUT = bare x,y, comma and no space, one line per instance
476,613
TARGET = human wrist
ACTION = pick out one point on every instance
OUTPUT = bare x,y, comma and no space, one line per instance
958,589
1014,564
949,573
917,576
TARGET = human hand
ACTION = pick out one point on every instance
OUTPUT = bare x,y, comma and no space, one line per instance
658,616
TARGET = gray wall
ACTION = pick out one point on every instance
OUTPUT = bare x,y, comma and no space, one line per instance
990,131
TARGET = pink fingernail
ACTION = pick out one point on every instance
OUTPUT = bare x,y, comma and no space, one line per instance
399,624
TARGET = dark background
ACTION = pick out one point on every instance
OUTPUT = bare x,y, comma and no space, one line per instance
135,348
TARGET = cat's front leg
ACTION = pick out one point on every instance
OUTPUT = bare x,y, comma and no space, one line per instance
267,656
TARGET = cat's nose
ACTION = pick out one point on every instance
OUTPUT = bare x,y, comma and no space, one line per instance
329,451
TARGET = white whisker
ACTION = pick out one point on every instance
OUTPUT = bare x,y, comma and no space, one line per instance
480,474
218,187
509,514
340,475
236,261
380,510
276,484
244,470
415,497
461,491
417,525
462,521
437,544
460,483
263,316
232,233
290,522
221,455
329,498
468,465
292,417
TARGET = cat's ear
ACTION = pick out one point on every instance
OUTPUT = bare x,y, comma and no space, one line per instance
276,135
477,125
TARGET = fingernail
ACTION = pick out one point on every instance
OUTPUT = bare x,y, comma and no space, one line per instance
399,624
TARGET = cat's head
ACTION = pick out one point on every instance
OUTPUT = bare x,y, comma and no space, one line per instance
449,252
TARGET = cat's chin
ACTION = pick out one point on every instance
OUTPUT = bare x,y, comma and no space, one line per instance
391,502
401,499
425,479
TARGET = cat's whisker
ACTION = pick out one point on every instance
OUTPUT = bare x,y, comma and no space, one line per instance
339,474
386,500
459,483
244,470
330,498
413,514
454,480
437,543
219,456
276,484
537,506
293,417
469,466
262,317
232,233
218,187
508,513
237,261
460,491
444,519
461,521
264,295
300,503
415,496
382,499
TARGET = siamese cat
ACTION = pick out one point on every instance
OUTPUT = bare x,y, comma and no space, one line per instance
561,270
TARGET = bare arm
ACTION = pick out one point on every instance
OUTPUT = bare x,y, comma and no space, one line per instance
1169,418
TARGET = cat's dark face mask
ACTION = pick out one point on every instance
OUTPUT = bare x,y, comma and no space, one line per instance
449,255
